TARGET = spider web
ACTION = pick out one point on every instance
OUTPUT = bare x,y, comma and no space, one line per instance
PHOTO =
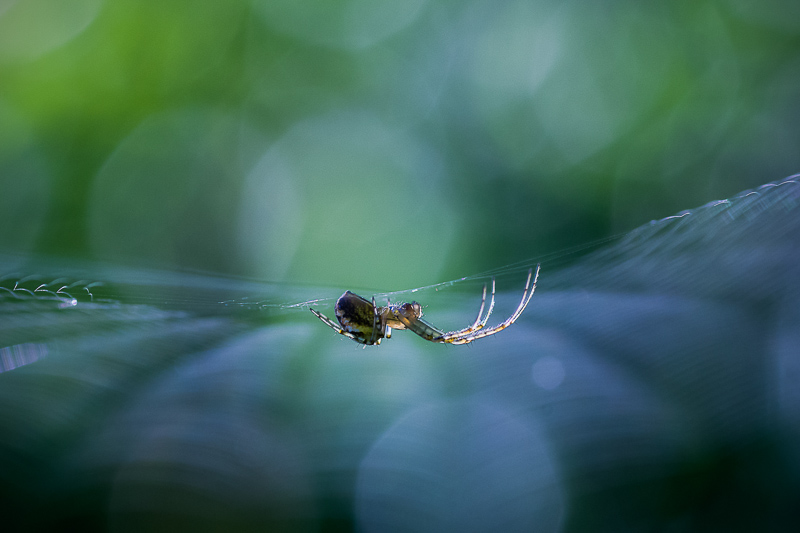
642,250
664,359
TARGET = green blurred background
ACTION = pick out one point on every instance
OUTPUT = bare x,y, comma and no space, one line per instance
380,144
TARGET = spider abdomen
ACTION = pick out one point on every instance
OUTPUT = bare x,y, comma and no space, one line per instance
356,315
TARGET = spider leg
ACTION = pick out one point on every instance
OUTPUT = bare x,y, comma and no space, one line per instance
333,325
388,333
424,330
373,339
479,323
420,327
526,297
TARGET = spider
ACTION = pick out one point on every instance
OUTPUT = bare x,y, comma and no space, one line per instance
366,323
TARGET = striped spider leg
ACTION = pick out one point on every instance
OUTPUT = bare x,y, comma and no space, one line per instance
467,337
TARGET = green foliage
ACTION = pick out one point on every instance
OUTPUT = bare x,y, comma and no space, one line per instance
377,143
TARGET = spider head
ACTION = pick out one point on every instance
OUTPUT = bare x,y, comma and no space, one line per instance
411,311
415,308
